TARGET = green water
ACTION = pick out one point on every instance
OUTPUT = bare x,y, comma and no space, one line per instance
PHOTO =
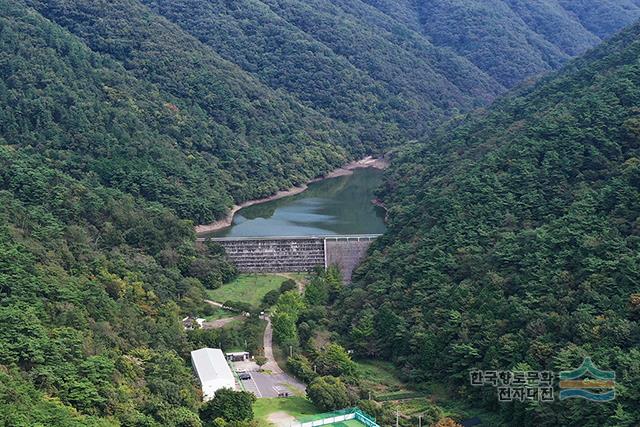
339,205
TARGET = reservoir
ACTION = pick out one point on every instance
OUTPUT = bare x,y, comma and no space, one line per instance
340,205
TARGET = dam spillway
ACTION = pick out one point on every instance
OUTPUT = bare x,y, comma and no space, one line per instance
296,254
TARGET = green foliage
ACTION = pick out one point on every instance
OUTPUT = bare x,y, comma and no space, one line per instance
246,289
246,334
300,366
316,292
288,285
240,306
126,121
291,302
23,405
229,405
270,298
284,328
512,40
514,242
285,315
334,360
168,120
328,393
357,67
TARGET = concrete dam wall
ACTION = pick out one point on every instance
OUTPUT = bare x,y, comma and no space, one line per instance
296,254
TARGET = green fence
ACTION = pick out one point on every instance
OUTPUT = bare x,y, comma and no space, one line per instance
316,417
334,417
365,419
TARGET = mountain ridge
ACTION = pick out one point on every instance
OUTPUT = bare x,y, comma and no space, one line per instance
513,242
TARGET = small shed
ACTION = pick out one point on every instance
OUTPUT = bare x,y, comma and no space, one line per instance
238,356
212,370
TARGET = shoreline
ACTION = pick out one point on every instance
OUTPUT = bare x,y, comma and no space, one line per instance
367,162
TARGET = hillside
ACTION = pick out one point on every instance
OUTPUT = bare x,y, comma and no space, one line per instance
378,62
126,122
230,102
514,243
512,40
336,57
218,134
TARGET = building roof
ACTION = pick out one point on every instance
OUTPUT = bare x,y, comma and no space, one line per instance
211,365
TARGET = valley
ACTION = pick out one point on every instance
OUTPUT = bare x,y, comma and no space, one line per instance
502,235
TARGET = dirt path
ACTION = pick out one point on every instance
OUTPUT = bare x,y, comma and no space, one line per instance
219,323
271,364
214,303
281,419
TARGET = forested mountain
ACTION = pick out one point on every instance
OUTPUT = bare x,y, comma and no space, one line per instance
371,73
406,62
514,39
124,122
155,113
514,244
199,104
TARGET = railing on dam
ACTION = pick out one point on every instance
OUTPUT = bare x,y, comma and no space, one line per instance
275,254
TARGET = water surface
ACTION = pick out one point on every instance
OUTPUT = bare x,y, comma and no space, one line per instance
339,205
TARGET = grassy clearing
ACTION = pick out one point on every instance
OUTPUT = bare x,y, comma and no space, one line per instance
219,313
380,377
249,288
294,406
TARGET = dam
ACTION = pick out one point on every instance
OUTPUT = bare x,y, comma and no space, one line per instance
296,254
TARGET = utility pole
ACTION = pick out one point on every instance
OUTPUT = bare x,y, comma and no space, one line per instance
420,420
290,351
397,418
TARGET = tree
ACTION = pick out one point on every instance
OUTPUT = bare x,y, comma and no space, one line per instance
284,328
333,278
334,360
301,368
316,292
230,405
363,334
291,302
260,360
328,393
270,298
288,285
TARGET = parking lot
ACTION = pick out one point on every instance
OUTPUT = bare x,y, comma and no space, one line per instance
267,384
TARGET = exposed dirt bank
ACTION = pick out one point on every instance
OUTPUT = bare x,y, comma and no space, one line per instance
367,162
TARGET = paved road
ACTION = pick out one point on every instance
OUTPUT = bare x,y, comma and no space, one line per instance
273,379
269,380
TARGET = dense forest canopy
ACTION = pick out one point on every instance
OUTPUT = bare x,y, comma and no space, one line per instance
514,243
512,40
126,122
199,104
379,104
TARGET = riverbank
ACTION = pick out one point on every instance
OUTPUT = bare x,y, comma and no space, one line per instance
367,162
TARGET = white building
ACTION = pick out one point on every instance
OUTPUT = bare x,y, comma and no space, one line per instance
212,370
